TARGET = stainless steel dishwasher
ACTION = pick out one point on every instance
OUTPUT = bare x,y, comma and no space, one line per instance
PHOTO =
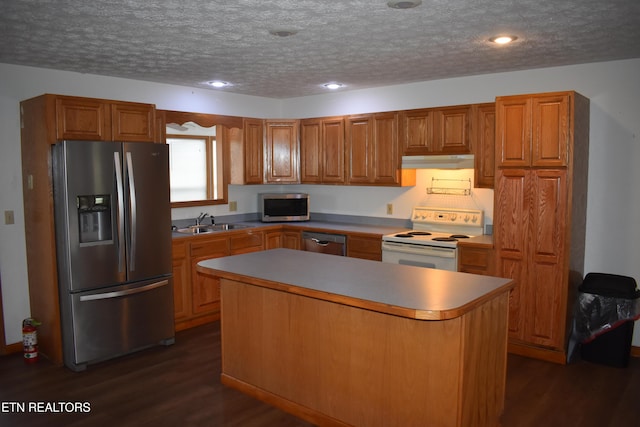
334,244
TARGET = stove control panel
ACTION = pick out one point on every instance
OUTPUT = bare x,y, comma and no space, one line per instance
427,215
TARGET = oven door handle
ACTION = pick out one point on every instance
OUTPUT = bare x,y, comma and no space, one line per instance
409,248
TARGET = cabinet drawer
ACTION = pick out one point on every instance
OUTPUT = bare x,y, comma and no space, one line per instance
247,242
212,248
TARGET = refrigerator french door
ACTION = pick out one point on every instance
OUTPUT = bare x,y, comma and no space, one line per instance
113,239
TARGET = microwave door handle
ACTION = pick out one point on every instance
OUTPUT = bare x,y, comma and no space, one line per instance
120,213
126,292
133,213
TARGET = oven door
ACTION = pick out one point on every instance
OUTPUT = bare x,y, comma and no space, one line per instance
420,255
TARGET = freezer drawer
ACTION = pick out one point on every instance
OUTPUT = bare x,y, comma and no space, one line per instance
119,320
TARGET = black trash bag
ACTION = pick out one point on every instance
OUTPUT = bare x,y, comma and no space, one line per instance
605,302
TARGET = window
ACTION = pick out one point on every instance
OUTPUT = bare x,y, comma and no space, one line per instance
196,166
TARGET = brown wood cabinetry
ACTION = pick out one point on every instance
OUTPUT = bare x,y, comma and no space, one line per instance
483,133
322,151
102,120
431,131
533,131
540,214
282,151
196,295
247,153
476,260
289,239
373,151
365,247
181,279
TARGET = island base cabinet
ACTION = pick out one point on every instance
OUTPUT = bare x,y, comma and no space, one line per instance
334,364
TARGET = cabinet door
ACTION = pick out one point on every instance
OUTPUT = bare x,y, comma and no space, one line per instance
253,151
546,293
133,122
206,289
82,119
483,144
282,151
291,239
452,129
386,156
364,247
359,135
512,203
333,149
475,260
311,151
513,131
181,280
272,240
550,130
416,132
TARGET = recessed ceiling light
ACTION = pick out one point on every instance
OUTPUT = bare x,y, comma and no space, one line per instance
333,86
404,4
218,83
283,33
503,39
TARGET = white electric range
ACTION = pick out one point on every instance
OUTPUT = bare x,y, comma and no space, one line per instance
433,242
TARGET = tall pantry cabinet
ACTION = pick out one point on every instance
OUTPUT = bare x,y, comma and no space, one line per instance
542,146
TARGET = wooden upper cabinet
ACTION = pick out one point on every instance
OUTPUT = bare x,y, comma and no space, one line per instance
550,130
82,119
532,130
416,132
452,126
133,122
282,151
103,120
432,131
483,136
253,155
386,150
322,150
359,142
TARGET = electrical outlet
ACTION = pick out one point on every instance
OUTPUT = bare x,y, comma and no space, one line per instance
8,217
389,209
233,206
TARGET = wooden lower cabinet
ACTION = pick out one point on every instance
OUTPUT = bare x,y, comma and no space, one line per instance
365,247
197,296
476,260
289,239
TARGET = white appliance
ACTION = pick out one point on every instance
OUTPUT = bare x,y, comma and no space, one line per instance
433,242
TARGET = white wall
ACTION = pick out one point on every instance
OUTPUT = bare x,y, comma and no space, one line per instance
613,230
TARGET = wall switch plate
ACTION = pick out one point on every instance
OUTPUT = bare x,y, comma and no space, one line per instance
233,206
389,209
8,217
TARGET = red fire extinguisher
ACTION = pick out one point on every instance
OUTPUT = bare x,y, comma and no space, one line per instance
30,340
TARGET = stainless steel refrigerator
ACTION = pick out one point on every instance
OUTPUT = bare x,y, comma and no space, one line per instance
113,240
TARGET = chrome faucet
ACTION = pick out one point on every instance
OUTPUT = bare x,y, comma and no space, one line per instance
201,217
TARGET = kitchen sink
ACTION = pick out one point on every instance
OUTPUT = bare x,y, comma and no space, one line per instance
212,228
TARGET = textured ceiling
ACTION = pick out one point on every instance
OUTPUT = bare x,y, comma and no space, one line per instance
361,43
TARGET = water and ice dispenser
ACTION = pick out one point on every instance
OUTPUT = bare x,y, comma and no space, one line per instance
94,218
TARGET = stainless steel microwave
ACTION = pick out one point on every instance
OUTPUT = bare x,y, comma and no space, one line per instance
278,207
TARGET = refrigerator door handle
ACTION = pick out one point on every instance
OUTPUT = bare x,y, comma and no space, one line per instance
132,198
120,195
127,292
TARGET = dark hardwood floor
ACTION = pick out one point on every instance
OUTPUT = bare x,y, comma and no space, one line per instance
179,386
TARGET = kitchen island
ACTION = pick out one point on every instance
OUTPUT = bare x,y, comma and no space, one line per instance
343,341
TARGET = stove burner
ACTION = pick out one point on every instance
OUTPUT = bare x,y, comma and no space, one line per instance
444,239
419,233
404,235
459,236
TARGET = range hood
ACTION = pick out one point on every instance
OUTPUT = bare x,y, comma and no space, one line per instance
444,161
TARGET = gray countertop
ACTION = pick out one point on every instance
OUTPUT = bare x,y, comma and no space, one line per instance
408,291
